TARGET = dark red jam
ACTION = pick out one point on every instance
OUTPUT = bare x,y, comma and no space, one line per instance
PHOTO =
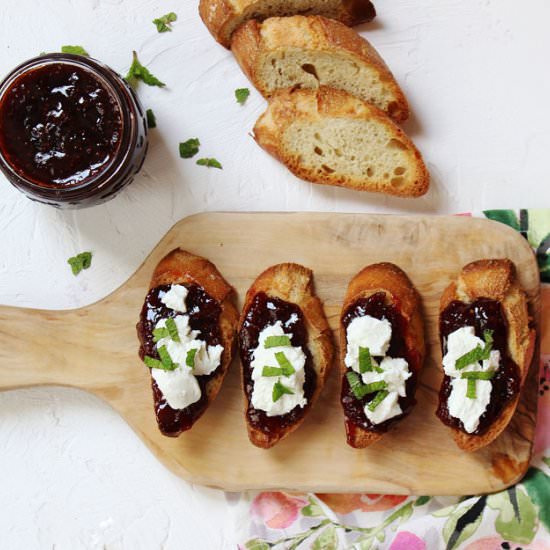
71,131
60,125
483,314
265,311
204,313
354,409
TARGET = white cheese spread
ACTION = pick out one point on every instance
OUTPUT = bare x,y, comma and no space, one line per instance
468,410
375,334
262,392
179,386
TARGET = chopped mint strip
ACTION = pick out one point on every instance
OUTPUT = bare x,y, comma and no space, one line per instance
279,390
378,398
284,363
80,261
365,360
138,71
160,333
151,119
76,50
272,371
163,23
359,389
241,95
190,359
172,330
478,375
210,163
471,391
189,148
276,341
165,358
152,363
477,354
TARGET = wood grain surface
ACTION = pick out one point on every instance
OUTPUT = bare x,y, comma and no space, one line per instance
95,348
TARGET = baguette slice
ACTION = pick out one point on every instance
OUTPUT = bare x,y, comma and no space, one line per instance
401,294
292,283
330,137
496,280
223,17
313,51
181,267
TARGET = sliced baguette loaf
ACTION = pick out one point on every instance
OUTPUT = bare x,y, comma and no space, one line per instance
495,280
330,137
223,17
313,51
293,284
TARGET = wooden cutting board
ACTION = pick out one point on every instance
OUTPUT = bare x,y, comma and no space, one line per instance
95,348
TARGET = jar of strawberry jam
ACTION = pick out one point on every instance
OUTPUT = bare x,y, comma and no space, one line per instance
72,132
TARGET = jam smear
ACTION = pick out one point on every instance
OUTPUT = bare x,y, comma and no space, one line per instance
482,314
265,311
354,409
204,314
60,125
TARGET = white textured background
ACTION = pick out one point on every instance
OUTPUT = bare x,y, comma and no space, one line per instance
73,475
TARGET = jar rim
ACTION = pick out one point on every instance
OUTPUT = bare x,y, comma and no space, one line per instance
114,85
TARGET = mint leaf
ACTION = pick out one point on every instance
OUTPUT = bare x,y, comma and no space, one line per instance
378,398
75,50
210,163
284,363
241,95
163,23
359,389
172,330
276,341
477,354
190,359
189,148
151,119
80,261
152,363
365,360
478,375
471,390
279,390
159,334
138,71
167,363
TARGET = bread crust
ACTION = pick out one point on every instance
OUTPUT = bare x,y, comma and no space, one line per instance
293,283
223,17
253,40
289,106
401,293
182,267
496,280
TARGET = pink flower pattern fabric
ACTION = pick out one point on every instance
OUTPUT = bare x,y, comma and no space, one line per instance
515,519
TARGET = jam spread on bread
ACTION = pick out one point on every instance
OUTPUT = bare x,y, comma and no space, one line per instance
484,315
204,313
265,311
377,307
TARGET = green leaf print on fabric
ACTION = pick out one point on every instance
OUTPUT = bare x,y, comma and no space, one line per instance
312,509
546,460
538,225
420,501
508,217
256,544
517,518
537,485
463,523
327,540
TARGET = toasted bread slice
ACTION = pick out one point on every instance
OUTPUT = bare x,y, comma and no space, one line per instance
496,280
400,293
328,136
223,17
181,267
291,283
313,51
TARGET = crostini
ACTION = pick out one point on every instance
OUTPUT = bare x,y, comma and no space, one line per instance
487,345
286,350
186,330
381,351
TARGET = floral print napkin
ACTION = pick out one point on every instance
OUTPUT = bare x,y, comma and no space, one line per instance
515,519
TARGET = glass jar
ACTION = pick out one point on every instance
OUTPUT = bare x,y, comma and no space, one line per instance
72,131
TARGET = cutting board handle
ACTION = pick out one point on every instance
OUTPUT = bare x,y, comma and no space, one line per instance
40,347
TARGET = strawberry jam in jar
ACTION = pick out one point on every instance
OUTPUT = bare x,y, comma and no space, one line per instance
72,132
